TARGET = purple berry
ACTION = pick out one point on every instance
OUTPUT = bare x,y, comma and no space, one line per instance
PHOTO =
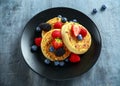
56,63
62,63
103,7
79,37
47,61
34,48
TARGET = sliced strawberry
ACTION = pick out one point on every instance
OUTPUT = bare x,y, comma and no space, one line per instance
56,34
75,30
37,41
83,32
74,58
57,43
58,25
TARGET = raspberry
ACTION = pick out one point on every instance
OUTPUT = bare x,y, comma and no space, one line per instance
74,58
37,41
56,34
58,25
83,32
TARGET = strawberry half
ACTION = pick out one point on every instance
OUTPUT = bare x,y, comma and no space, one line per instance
83,32
75,30
56,34
37,41
58,25
74,58
57,43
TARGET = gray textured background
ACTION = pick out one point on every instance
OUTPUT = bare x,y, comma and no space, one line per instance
14,14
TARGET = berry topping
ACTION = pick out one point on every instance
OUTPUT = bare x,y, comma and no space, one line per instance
56,34
45,26
62,63
58,25
74,20
83,32
59,16
38,29
56,63
66,60
103,8
63,19
51,49
47,61
59,52
79,37
34,48
57,43
74,58
37,41
75,30
94,11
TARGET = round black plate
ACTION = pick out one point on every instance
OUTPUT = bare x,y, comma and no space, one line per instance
34,60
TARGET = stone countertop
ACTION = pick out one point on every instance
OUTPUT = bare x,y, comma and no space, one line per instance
14,14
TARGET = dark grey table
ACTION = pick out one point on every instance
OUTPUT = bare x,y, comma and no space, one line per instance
14,14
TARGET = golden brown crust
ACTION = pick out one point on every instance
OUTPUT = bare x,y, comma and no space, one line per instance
74,45
52,22
46,43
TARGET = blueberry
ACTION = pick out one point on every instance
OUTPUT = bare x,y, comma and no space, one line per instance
38,29
51,49
56,63
64,19
74,20
103,7
47,61
59,16
59,52
62,63
45,26
34,48
66,60
94,11
79,37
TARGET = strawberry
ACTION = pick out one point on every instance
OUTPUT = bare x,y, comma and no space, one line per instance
37,41
57,43
75,30
58,25
74,58
56,34
83,32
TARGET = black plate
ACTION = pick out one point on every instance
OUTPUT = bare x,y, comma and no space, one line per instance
35,61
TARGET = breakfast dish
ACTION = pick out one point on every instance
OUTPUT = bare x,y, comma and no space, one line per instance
55,23
76,37
61,41
75,64
51,51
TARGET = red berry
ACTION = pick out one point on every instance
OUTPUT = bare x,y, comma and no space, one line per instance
37,41
56,34
74,58
75,30
83,32
57,43
58,25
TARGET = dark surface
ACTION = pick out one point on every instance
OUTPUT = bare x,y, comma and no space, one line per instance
35,60
14,14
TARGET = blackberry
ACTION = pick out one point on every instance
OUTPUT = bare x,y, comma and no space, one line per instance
45,26
60,52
